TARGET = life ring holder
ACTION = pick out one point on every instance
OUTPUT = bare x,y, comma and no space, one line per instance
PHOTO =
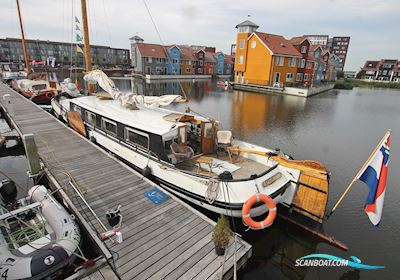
271,214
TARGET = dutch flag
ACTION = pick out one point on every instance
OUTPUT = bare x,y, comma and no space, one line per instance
374,175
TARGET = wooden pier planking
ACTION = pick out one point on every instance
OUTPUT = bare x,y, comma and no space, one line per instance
170,240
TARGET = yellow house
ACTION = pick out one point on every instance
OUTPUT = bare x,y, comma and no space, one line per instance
262,58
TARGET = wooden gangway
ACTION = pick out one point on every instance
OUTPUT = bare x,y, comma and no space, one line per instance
166,241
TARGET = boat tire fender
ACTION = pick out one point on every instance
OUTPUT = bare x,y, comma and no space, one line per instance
247,207
93,139
146,172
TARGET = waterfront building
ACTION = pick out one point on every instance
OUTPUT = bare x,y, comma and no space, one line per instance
262,58
381,70
148,59
321,40
209,63
337,45
174,60
349,74
187,61
59,54
200,57
316,52
305,67
224,64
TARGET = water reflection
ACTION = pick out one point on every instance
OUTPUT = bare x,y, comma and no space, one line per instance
276,252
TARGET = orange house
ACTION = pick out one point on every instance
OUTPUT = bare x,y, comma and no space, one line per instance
264,59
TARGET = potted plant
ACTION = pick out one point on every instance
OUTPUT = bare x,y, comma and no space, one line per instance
221,235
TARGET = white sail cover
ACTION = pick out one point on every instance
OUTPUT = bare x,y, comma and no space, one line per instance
69,87
128,99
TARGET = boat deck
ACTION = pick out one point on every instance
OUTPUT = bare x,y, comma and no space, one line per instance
246,167
170,240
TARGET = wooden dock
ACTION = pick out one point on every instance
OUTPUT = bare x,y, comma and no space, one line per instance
166,241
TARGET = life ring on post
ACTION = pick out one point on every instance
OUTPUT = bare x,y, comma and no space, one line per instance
271,214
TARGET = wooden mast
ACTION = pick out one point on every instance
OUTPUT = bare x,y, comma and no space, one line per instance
23,39
86,42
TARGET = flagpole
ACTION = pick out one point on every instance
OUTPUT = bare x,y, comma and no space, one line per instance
358,174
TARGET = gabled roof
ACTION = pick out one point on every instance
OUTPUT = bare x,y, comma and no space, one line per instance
298,40
210,57
136,37
229,59
187,54
371,65
277,44
247,23
151,50
314,47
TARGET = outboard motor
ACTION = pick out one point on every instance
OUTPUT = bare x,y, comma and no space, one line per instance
8,190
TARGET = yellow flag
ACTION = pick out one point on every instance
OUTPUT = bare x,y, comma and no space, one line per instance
79,49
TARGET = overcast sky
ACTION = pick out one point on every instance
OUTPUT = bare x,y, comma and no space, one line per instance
372,24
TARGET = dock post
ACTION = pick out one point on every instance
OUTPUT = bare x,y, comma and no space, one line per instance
8,105
31,154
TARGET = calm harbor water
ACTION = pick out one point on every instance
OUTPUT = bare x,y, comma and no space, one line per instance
337,128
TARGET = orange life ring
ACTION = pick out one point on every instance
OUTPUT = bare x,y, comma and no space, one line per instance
271,214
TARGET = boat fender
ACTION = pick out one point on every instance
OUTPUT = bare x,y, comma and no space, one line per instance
8,190
146,172
93,139
247,207
225,176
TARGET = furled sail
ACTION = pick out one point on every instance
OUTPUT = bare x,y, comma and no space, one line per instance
129,99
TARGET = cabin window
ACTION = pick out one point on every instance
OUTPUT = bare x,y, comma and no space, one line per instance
76,108
137,138
109,126
208,130
90,118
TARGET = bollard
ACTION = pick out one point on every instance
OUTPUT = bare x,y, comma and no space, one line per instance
31,154
8,105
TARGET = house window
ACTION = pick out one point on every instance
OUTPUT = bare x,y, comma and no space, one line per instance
299,77
279,60
302,63
289,77
253,44
241,44
305,77
303,49
90,117
136,137
200,70
292,61
201,62
174,61
187,70
149,60
201,55
241,59
109,126
309,65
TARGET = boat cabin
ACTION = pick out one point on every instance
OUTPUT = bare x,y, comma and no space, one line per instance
170,136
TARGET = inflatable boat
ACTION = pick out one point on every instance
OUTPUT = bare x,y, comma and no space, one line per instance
38,236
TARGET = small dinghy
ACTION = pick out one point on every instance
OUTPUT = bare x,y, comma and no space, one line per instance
38,236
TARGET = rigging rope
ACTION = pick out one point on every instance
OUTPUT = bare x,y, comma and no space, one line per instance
163,46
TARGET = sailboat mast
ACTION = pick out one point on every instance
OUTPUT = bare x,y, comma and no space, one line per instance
86,42
23,39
